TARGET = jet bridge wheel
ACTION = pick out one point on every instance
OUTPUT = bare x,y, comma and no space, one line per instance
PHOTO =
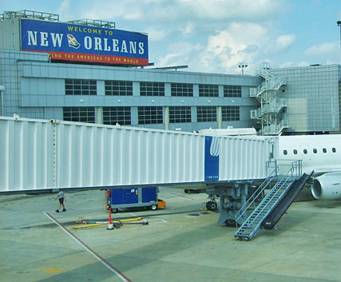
211,205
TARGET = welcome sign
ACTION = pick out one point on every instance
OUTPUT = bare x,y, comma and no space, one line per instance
83,43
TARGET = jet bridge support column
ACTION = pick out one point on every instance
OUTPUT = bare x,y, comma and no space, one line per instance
231,200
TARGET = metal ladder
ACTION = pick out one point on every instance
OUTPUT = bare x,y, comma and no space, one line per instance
252,224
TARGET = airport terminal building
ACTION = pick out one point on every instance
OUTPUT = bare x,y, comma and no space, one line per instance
89,71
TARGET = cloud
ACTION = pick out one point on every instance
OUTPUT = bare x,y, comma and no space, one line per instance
325,48
176,10
232,9
238,43
180,54
64,9
293,64
187,29
324,53
210,36
156,34
285,41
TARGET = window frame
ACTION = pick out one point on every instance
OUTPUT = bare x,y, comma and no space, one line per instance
182,89
145,115
208,90
80,87
118,88
203,112
114,115
232,91
148,88
79,114
230,113
180,114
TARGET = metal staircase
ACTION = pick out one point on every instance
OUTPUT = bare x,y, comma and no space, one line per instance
254,199
271,111
250,223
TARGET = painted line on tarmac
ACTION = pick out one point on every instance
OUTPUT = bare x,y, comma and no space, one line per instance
89,250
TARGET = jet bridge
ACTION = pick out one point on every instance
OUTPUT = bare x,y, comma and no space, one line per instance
43,155
50,154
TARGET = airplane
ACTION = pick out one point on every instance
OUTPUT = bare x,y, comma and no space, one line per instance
319,153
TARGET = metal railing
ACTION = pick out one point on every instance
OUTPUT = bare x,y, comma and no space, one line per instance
29,14
292,174
269,85
274,107
274,167
259,191
250,203
268,93
272,198
274,129
272,85
95,23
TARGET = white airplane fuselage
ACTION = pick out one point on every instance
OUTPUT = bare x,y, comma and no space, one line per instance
319,153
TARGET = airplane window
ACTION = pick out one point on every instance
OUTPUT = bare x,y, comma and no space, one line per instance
314,151
285,152
295,151
333,150
305,151
324,150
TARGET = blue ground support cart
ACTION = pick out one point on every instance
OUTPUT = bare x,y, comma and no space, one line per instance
133,197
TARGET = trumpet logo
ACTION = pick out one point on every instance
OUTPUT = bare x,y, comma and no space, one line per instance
72,41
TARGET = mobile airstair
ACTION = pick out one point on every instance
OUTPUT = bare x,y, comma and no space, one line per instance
268,207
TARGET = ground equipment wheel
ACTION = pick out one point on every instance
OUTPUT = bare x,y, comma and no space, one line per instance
211,205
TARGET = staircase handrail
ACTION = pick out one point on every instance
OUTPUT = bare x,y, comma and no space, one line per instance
270,85
278,186
255,195
284,180
295,165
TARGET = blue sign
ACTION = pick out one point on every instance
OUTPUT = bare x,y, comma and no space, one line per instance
82,43
212,148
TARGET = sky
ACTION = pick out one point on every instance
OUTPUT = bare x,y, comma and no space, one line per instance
216,35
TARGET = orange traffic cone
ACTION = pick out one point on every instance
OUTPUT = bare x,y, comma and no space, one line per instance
110,224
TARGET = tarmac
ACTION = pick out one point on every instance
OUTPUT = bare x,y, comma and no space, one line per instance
181,243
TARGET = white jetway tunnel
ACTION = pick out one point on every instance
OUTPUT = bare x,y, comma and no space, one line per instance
42,154
2,90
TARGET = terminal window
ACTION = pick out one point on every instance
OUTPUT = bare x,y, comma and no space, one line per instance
232,91
150,115
230,113
80,114
206,113
181,89
114,115
152,89
179,114
118,88
80,87
208,90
